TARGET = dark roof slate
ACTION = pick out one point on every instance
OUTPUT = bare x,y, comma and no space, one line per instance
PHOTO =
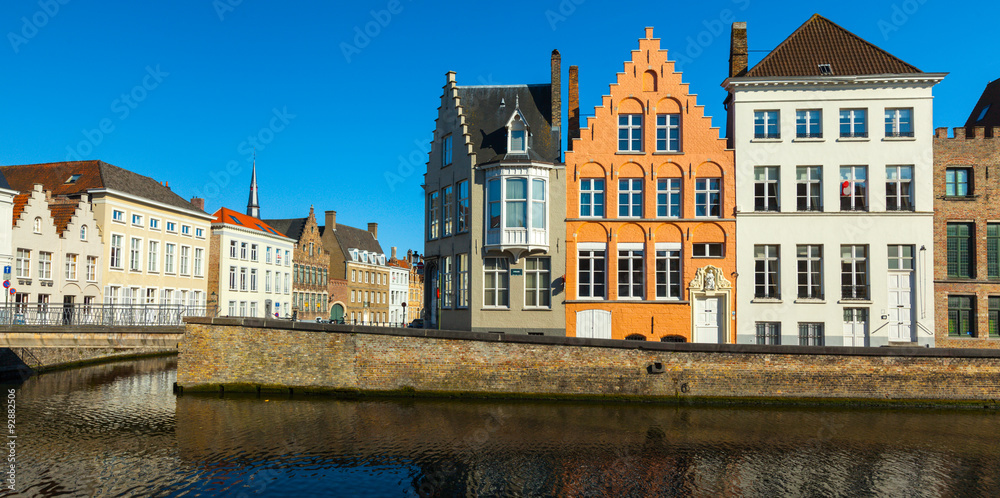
487,121
349,238
93,175
990,102
292,227
821,41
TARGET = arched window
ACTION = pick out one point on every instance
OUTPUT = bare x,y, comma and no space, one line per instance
636,337
38,225
673,338
83,232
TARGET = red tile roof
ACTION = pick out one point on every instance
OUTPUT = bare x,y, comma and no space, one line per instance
229,217
821,41
20,200
61,215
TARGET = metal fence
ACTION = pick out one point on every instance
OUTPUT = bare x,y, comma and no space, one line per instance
104,315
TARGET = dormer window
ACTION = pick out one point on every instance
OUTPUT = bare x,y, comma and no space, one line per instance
517,134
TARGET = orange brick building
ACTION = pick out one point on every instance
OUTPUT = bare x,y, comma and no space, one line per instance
651,249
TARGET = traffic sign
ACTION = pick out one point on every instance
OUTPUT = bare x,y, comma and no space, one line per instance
6,284
6,271
13,291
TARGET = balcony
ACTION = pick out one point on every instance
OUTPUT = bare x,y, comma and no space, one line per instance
899,134
855,292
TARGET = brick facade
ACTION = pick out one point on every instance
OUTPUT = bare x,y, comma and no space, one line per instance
243,355
310,271
971,149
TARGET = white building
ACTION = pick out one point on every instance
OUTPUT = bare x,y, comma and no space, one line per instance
833,140
254,273
6,213
399,288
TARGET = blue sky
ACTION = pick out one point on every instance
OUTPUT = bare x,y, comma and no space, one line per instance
178,90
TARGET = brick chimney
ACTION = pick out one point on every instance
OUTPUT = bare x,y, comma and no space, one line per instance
198,202
738,52
373,228
574,105
331,220
556,91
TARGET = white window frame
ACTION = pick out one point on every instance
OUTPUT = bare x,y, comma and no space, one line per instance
763,178
590,189
589,251
770,276
630,197
631,125
702,187
153,257
670,126
670,279
812,178
810,255
500,269
542,290
631,266
812,120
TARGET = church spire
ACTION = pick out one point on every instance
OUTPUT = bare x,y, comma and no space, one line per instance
253,206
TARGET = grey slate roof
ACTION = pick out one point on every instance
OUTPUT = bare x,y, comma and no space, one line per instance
292,227
487,121
354,238
3,182
988,107
123,180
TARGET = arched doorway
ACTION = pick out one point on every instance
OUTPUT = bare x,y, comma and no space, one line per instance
336,313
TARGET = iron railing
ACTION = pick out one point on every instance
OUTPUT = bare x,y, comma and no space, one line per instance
103,315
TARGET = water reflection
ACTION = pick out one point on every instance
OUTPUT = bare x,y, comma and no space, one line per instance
117,430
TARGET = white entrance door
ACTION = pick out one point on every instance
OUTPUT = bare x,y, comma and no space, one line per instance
594,324
856,327
706,320
900,306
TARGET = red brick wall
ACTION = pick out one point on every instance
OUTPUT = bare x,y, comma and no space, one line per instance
981,154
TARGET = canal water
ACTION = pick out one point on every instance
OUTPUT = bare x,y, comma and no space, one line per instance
118,430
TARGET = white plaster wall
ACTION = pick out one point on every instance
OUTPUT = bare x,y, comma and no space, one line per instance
229,233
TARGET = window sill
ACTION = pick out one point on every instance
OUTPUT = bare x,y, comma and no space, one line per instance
708,257
899,139
854,139
668,153
855,301
494,308
630,301
762,211
536,308
961,198
806,300
765,140
766,300
808,139
630,153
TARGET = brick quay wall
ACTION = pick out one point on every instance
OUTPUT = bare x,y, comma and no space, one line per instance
273,355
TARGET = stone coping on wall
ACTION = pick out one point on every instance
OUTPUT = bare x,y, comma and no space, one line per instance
910,352
90,329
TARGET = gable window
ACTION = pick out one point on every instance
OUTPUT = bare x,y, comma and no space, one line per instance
708,197
433,213
668,198
592,198
960,256
958,182
853,123
463,206
630,272
630,198
83,232
591,273
961,316
495,282
765,124
809,123
446,151
766,272
446,210
765,188
37,225
899,122
853,188
518,137
630,133
897,188
668,132
810,269
854,272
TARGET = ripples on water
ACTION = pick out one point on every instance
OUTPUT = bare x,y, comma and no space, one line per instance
118,430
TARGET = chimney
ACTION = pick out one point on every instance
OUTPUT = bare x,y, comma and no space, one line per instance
556,92
198,202
574,105
166,184
373,228
331,220
393,253
738,53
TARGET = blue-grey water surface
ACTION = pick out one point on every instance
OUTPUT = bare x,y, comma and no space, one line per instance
118,430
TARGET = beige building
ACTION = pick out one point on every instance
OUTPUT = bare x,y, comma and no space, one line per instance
57,250
155,242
